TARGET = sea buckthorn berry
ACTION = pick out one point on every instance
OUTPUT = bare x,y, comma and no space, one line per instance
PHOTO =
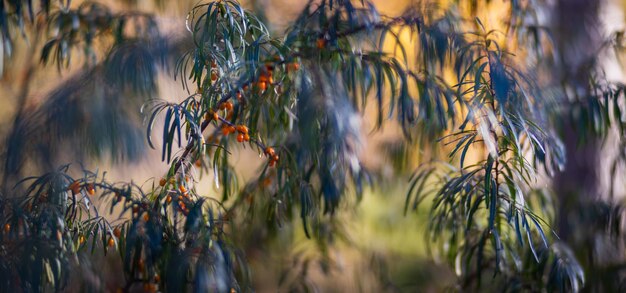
117,232
146,216
321,43
198,163
221,106
81,239
240,137
7,227
162,182
157,278
216,116
242,128
228,106
245,87
225,130
272,163
168,199
111,242
246,137
213,64
263,78
75,187
213,76
295,66
90,189
238,96
262,85
275,157
270,151
231,129
182,189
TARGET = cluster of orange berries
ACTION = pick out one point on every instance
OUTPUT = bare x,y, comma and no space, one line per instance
265,78
241,129
271,153
183,190
75,188
226,106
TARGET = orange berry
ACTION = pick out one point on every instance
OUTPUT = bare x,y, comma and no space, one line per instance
146,216
240,137
81,239
75,187
157,278
269,151
262,86
213,64
117,232
231,129
245,87
111,242
275,157
162,182
238,96
246,137
295,66
321,43
216,116
198,163
263,78
90,189
182,189
168,199
228,106
243,129
225,131
213,76
272,163
7,227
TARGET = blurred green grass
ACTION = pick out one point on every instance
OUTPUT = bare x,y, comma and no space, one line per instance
384,251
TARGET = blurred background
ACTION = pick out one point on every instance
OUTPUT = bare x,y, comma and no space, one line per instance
381,248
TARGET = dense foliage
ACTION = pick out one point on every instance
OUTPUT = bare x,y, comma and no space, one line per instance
296,99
